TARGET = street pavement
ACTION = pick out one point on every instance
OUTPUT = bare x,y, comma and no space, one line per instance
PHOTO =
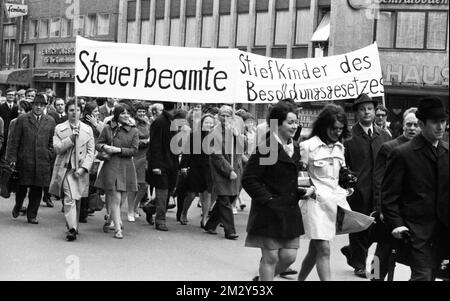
184,253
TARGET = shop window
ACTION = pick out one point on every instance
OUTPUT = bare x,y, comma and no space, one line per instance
55,28
262,28
103,24
145,32
191,26
243,21
207,31
437,30
34,29
175,32
282,27
303,28
43,28
159,32
412,30
224,30
66,27
131,32
78,26
91,25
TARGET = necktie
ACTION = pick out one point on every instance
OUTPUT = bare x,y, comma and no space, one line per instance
369,132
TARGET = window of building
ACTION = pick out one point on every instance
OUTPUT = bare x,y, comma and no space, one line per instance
78,26
9,49
175,32
34,29
66,27
191,26
282,27
145,32
131,32
103,24
303,28
9,31
224,30
207,31
262,28
159,32
243,21
55,28
412,30
91,25
43,28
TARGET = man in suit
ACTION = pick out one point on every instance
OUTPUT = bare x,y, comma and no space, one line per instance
384,246
59,113
107,109
31,152
70,178
360,154
8,111
415,196
30,94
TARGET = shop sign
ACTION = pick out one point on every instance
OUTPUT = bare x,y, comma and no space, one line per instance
53,75
363,4
416,74
58,55
15,10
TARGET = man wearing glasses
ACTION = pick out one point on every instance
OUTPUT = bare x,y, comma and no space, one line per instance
8,111
381,118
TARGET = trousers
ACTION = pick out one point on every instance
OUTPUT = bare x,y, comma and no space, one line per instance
34,199
71,207
222,212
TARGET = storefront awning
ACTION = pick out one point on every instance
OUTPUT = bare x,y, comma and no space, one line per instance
419,91
322,32
20,77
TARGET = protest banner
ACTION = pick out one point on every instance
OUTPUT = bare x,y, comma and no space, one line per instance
204,75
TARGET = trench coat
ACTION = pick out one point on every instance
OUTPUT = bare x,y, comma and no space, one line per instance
221,164
119,172
32,149
323,164
64,149
274,210
360,155
415,194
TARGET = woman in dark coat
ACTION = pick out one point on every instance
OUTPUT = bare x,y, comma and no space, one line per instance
275,222
140,160
118,174
197,169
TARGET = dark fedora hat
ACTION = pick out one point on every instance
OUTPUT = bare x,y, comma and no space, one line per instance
40,98
431,108
363,98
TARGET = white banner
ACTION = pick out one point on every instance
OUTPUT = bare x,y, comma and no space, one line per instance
202,75
15,10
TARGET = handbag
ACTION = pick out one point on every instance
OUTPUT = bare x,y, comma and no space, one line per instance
347,178
95,201
9,178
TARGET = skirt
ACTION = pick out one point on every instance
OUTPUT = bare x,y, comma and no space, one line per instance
271,243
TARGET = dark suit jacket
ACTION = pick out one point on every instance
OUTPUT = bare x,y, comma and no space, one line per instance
380,166
414,194
7,115
56,117
103,112
273,188
360,154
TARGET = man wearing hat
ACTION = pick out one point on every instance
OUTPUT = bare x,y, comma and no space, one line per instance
360,154
8,111
31,152
414,193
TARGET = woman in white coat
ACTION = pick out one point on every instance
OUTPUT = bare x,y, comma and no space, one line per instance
323,154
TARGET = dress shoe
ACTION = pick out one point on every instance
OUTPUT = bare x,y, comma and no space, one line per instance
161,227
71,235
360,273
149,218
243,206
23,211
15,212
106,227
210,231
33,221
288,271
346,252
232,236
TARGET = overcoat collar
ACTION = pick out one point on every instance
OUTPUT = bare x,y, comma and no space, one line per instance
66,130
115,124
315,142
282,155
420,143
359,131
33,120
